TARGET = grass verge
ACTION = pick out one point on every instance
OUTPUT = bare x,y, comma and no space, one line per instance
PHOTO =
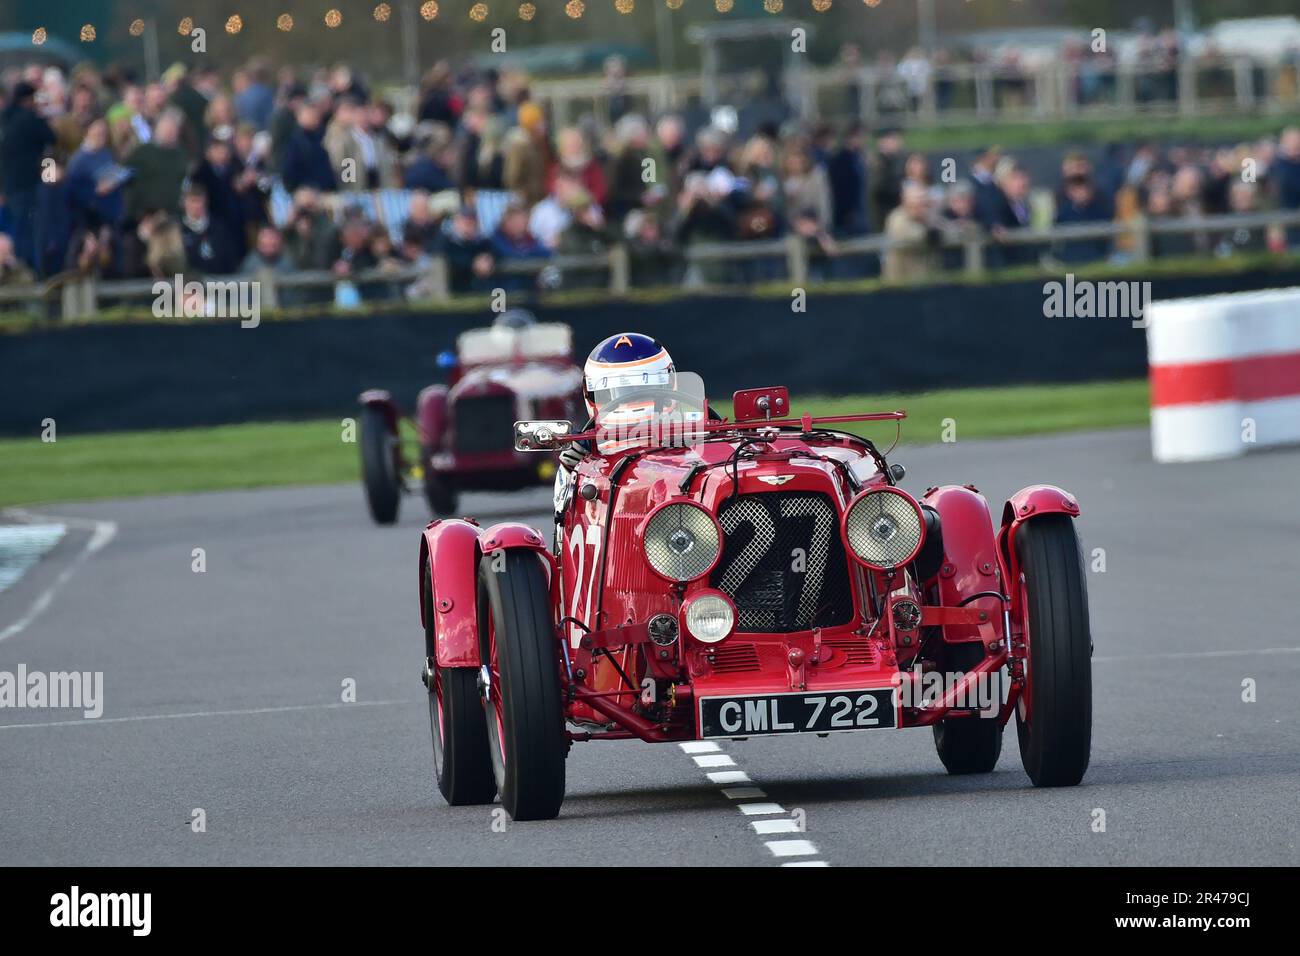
131,464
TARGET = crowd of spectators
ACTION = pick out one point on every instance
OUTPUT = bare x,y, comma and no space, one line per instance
259,170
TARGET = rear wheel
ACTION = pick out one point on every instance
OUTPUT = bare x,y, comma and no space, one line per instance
379,465
1054,713
461,762
525,716
969,744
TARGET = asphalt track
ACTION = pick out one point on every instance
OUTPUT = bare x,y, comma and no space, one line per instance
223,692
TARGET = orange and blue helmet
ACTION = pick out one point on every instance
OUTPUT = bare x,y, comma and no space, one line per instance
624,363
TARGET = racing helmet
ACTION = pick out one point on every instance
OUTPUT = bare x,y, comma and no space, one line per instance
625,363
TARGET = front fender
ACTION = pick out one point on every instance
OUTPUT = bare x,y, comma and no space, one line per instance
508,535
1026,505
970,557
449,554
383,400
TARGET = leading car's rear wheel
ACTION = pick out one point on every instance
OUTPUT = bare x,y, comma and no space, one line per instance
968,744
522,681
461,762
1054,714
379,466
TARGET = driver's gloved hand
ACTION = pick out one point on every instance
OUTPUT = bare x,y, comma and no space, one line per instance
571,456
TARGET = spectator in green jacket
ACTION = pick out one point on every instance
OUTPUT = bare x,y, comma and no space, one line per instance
159,168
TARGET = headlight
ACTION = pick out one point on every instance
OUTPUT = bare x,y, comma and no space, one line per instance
710,617
682,541
883,528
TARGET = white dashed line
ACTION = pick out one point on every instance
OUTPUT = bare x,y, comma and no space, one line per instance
757,809
752,802
791,848
700,747
729,776
714,760
779,825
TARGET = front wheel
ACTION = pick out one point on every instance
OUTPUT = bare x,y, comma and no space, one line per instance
521,680
379,471
1054,713
439,491
461,763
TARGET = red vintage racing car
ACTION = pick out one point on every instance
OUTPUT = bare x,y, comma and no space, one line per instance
515,368
763,575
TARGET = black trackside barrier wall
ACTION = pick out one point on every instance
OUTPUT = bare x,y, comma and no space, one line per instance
171,375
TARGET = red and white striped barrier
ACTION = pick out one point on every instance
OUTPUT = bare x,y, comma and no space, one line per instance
1225,374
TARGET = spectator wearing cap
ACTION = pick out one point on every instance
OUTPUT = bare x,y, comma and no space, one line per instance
913,228
26,137
158,169
305,161
210,247
847,174
468,252
223,180
527,155
885,175
1082,204
284,122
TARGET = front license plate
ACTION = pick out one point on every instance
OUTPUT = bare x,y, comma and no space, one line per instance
798,712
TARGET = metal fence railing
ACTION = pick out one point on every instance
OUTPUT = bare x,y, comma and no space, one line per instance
974,92
964,249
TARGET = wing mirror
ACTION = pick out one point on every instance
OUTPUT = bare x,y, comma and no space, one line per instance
757,404
542,436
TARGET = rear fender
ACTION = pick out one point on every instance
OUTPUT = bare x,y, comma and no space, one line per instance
970,557
431,413
449,553
383,400
1026,505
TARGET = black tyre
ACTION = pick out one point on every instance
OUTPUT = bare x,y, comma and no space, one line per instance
379,465
1054,716
461,762
968,744
439,491
524,714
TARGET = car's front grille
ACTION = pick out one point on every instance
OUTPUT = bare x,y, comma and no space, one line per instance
484,422
783,562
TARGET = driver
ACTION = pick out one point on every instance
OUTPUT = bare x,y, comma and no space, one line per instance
623,363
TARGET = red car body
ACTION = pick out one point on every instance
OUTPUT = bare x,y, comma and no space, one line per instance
829,644
498,376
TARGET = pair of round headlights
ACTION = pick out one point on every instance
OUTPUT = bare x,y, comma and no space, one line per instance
883,528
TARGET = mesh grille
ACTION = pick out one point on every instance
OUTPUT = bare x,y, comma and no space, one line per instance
783,562
485,423
681,541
